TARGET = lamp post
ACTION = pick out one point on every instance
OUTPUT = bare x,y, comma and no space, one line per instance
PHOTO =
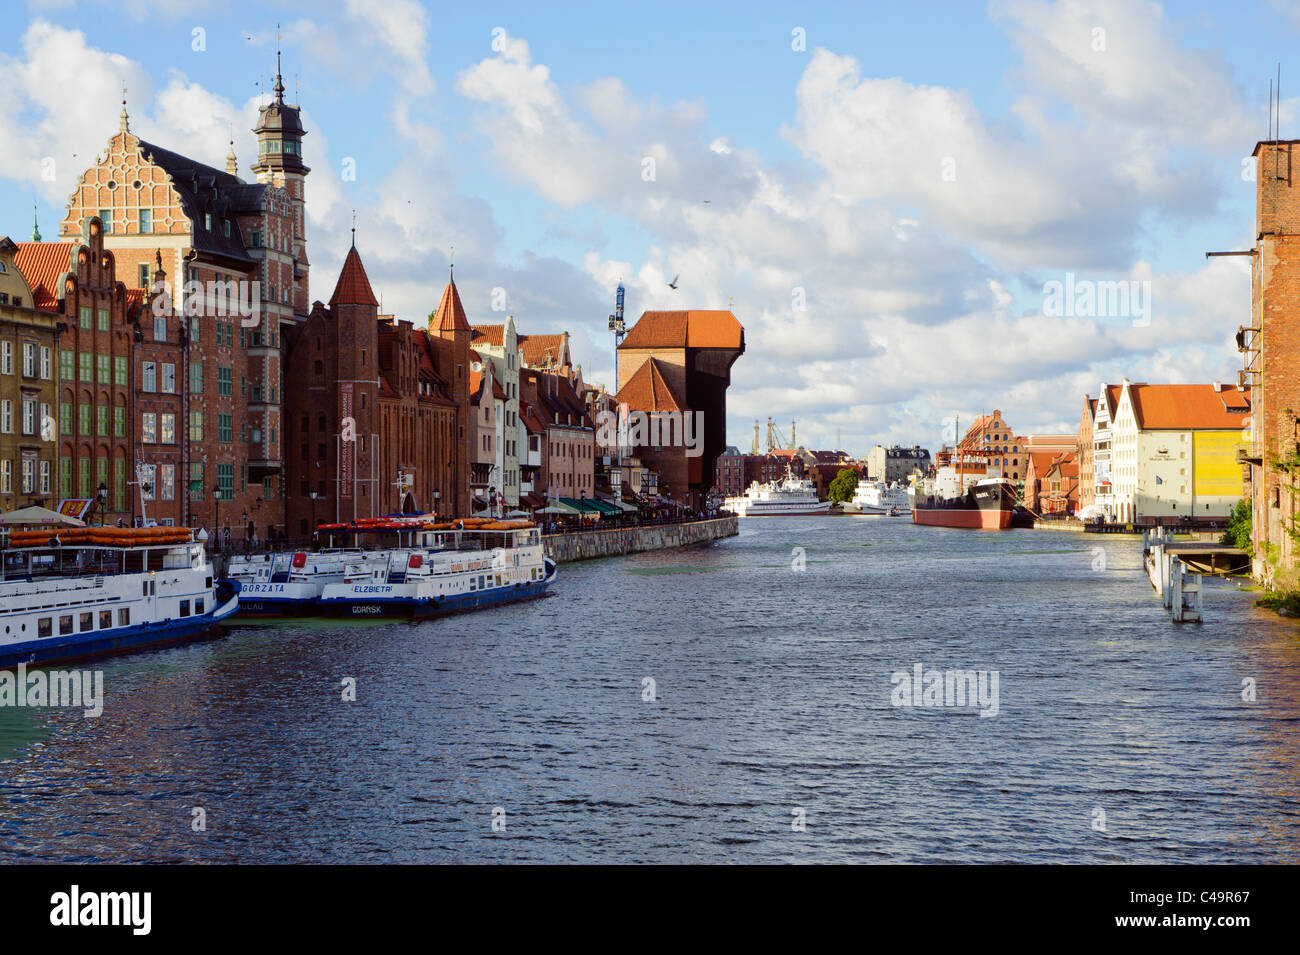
216,512
313,494
101,498
437,497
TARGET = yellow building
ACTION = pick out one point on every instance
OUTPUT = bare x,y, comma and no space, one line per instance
28,429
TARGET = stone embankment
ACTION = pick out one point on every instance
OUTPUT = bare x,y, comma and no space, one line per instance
585,545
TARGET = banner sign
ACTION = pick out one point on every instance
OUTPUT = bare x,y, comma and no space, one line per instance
347,442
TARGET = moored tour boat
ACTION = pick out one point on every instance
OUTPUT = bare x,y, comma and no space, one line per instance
787,497
74,593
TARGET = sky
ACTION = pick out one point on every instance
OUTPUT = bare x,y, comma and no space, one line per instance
891,198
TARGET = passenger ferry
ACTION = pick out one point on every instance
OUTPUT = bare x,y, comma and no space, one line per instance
288,583
83,592
876,497
789,496
448,568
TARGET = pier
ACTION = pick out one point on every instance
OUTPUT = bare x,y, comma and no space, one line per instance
614,542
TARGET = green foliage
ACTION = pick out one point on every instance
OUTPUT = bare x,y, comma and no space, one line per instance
1238,532
844,486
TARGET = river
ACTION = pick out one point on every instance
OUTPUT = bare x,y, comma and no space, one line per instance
729,703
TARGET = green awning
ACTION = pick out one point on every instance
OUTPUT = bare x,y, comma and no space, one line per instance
605,507
585,506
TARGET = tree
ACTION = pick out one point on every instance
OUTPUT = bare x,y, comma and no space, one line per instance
1238,532
844,486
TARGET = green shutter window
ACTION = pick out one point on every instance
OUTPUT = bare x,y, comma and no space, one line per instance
101,472
83,418
84,366
196,480
101,420
120,371
65,417
102,365
83,476
65,476
226,480
119,484
119,422
196,425
225,381
102,319
67,362
196,378
225,428
83,317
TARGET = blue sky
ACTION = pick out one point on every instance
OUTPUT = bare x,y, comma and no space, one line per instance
821,168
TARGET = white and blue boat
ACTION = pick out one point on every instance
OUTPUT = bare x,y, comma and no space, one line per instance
288,583
443,572
87,592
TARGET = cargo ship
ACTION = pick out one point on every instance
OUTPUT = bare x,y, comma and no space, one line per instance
987,505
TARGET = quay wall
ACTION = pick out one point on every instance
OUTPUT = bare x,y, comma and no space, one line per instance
586,545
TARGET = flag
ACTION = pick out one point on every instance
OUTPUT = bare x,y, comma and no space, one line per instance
1159,480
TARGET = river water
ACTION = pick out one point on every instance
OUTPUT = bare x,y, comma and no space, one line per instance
769,733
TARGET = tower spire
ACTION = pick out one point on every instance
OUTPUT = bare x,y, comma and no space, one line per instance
126,120
279,81
36,229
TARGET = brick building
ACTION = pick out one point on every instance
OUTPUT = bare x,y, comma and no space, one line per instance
77,282
896,463
165,212
1271,354
29,451
681,362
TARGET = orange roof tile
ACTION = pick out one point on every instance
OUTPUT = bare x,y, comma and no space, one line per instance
450,314
492,334
1179,407
542,351
700,328
648,390
41,264
353,287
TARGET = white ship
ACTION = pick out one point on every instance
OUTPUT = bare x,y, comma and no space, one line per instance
876,497
789,496
287,583
445,571
83,592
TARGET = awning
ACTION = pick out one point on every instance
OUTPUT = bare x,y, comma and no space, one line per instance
38,515
557,508
605,507
585,505
624,506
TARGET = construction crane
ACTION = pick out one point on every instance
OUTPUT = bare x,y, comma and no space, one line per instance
616,326
775,439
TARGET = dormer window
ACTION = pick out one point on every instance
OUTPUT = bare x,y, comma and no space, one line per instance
207,221
226,225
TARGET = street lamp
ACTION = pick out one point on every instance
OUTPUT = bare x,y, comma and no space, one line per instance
216,510
313,494
437,496
101,496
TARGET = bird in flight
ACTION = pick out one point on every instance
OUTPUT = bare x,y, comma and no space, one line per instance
673,283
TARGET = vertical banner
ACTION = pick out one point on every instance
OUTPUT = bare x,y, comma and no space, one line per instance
347,442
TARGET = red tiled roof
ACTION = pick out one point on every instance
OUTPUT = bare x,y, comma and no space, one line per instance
492,334
648,390
543,350
353,287
1177,407
450,314
41,264
701,328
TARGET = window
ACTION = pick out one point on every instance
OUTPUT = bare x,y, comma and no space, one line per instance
226,227
29,415
146,224
196,378
167,482
225,381
29,359
45,627
225,430
167,383
196,481
83,317
87,621
149,428
65,625
101,420
146,479
6,358
45,477
105,619
66,362
27,481
226,480
207,221
124,616
196,425
120,371
101,320
143,276
104,368
85,366
119,421
160,328
106,217
167,428
149,378
6,416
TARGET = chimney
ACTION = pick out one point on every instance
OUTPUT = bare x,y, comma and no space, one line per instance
1218,387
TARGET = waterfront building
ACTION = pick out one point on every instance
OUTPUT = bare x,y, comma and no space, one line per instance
169,213
1059,494
896,463
568,462
28,390
1096,487
991,439
93,313
1270,346
487,407
1173,450
378,408
499,346
681,361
